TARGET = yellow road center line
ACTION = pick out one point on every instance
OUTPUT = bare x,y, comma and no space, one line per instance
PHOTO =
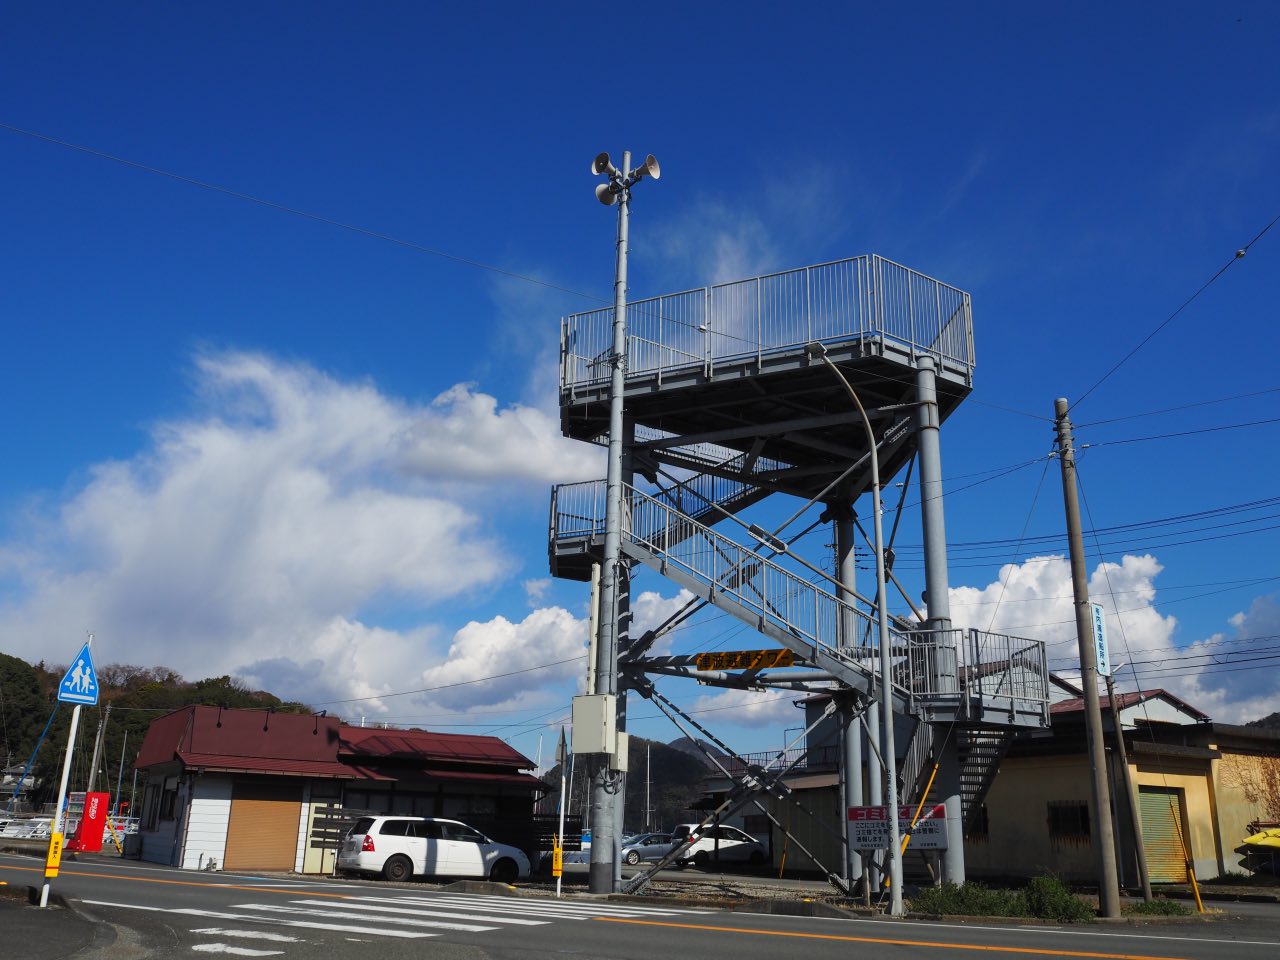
887,941
185,883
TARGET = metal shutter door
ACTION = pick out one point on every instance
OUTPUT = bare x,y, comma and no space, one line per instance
1162,835
263,834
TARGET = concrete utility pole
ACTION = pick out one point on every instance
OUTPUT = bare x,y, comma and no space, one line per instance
97,749
606,781
1103,839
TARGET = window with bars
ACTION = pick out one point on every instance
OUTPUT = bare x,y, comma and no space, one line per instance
1068,819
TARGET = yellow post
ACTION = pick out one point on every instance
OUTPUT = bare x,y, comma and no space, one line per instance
1195,887
923,797
54,857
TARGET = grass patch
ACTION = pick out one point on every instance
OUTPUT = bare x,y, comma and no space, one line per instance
1045,898
1238,878
1159,907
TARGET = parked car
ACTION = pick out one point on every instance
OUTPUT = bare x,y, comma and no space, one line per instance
718,843
399,848
646,846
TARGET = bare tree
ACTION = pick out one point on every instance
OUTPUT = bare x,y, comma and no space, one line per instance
1258,778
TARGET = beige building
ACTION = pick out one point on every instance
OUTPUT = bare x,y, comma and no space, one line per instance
1199,784
1195,780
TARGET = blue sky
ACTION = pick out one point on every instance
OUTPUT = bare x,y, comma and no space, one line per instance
240,440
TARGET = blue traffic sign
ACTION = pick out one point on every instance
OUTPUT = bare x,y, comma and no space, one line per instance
80,685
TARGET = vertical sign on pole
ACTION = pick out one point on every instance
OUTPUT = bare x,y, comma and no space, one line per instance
80,687
557,848
1103,653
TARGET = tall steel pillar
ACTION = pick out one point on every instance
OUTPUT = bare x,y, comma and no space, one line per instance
850,728
946,679
604,779
929,445
624,641
875,794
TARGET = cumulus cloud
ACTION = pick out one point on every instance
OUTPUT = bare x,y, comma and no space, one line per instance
1228,683
529,662
1034,599
463,434
250,536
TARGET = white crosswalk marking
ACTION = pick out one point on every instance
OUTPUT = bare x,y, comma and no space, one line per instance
415,916
246,934
560,908
417,911
234,951
307,924
333,914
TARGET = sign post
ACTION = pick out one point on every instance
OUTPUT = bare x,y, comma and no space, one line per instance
80,687
869,827
557,848
1103,652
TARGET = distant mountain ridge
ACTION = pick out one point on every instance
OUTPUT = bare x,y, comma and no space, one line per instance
1267,723
696,748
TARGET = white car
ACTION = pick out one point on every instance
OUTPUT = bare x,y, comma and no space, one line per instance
400,848
718,844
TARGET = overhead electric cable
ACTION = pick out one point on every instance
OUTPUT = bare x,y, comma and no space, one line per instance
1237,256
1184,406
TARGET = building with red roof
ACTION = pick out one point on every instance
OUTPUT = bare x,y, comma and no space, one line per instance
259,790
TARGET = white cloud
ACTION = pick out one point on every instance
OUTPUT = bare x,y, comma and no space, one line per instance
1232,684
1033,599
749,708
501,649
536,589
251,536
464,435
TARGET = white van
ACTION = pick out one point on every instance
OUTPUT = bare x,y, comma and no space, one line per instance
718,843
400,848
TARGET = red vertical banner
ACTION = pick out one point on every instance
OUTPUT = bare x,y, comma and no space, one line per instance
88,836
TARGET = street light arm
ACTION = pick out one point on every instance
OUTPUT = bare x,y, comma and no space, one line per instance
889,751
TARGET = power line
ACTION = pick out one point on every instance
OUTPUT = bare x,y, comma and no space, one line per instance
1004,581
447,686
1237,256
1181,433
1185,406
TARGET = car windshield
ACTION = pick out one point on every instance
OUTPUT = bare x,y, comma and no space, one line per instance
360,827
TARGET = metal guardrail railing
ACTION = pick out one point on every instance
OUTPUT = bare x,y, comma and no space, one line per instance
935,666
765,588
797,760
862,297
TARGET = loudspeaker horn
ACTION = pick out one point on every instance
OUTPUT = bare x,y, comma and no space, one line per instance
649,168
605,194
601,165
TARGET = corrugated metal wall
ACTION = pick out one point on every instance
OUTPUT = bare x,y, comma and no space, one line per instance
1162,834
263,834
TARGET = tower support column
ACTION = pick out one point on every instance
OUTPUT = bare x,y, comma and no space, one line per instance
851,789
943,672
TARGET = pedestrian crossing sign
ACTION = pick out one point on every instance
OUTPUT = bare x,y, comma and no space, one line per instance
80,685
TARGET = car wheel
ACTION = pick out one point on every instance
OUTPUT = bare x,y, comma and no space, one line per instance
397,869
681,864
702,860
757,858
633,857
504,871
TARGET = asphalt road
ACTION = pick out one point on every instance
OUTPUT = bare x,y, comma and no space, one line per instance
146,911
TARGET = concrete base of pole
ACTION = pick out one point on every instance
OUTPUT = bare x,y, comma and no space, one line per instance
953,857
600,877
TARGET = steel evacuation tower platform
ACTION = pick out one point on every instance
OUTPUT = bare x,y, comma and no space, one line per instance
730,397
